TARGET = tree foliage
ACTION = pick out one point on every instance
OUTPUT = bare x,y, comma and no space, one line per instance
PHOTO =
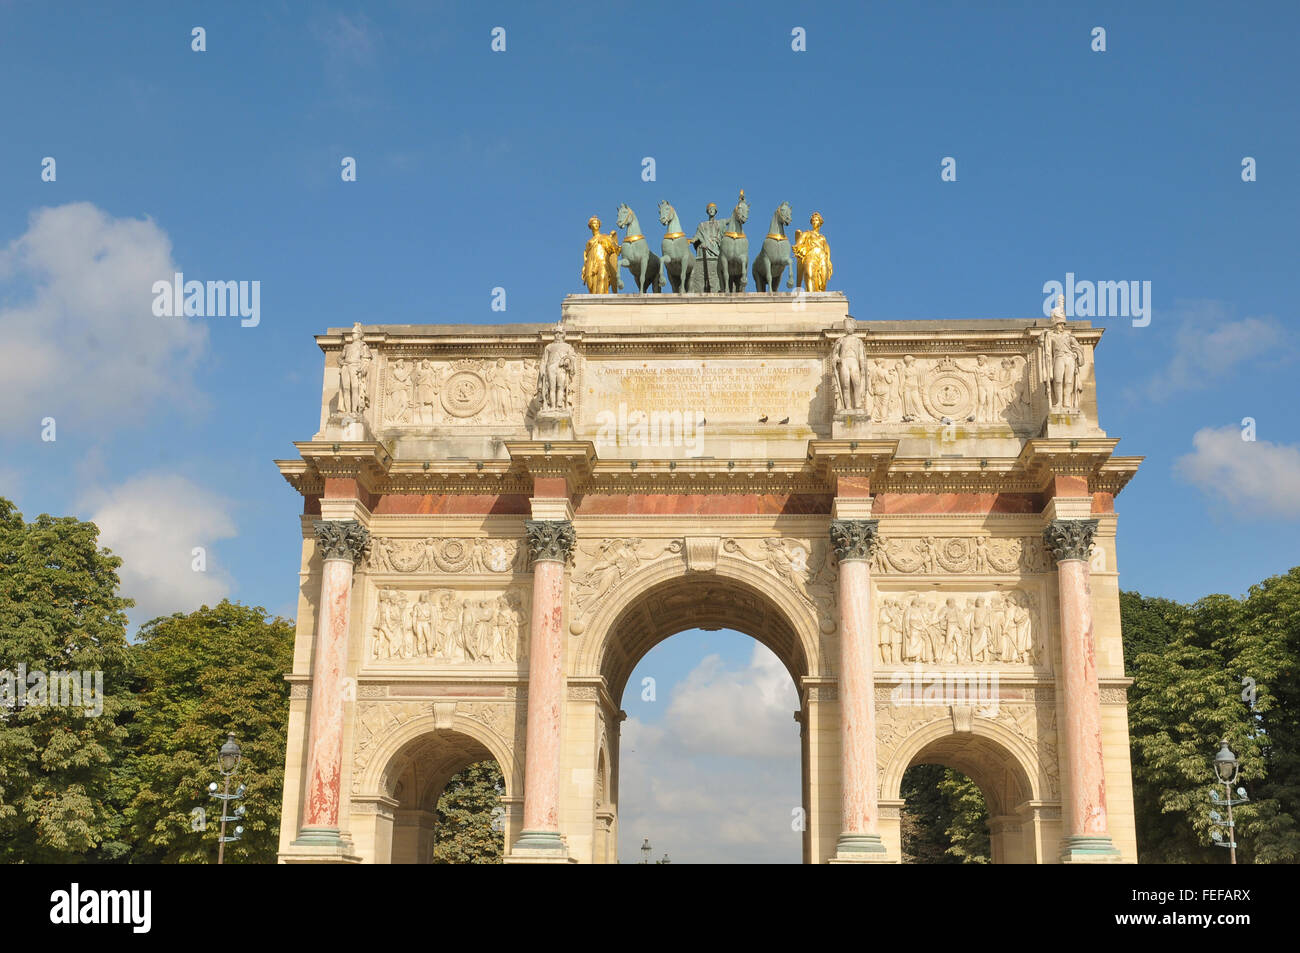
944,818
467,829
1220,668
59,612
198,676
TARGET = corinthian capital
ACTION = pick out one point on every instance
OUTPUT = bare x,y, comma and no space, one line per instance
550,539
854,539
1070,539
341,539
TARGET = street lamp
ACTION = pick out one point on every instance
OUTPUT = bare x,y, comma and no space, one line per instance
645,851
228,759
1226,769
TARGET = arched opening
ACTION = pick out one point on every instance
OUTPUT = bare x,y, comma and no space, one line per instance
458,773
712,761
974,786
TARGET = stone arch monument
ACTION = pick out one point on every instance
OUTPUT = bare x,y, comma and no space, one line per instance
498,522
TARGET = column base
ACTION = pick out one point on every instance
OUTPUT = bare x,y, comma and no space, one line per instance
1089,849
860,849
539,847
319,845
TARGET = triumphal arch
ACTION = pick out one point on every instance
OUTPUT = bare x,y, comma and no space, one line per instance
917,517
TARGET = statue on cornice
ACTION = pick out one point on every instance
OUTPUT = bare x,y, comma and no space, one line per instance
555,372
600,261
813,254
849,364
1063,361
354,369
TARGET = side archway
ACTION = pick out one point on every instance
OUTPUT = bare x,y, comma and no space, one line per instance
397,790
1001,763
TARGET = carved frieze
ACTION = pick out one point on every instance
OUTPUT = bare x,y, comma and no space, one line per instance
969,628
446,555
424,392
977,555
440,625
978,389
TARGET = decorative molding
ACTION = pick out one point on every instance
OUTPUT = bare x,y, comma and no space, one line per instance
1070,539
341,539
451,555
854,539
550,540
953,555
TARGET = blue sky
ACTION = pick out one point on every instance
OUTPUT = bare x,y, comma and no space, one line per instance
479,169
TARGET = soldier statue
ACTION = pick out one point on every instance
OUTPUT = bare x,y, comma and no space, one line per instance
1062,362
708,237
554,372
849,363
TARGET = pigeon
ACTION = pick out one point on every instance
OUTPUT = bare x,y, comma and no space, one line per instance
763,419
785,420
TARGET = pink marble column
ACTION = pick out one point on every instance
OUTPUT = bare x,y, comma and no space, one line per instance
340,543
859,811
550,543
1087,835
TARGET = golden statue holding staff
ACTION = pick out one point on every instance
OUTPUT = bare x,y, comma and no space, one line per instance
600,261
813,256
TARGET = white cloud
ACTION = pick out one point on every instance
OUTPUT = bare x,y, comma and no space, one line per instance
1209,345
81,341
154,521
717,781
1254,476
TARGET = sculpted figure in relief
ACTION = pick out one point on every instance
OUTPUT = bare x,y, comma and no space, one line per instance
1063,361
928,629
354,368
849,363
912,378
555,373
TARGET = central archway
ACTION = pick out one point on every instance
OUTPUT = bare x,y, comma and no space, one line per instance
664,600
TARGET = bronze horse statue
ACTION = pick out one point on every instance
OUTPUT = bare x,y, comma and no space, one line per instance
677,258
636,256
775,255
733,250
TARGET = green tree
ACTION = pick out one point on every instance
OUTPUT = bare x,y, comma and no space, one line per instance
467,817
198,676
59,612
1220,668
944,818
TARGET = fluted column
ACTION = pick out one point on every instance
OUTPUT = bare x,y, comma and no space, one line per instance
549,542
1088,838
859,838
341,543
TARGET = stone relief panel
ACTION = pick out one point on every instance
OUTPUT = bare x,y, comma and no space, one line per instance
425,392
977,555
374,722
447,555
959,628
445,626
602,566
1036,724
804,566
977,389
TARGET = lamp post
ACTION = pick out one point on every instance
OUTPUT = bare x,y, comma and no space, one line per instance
645,851
228,759
1226,769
